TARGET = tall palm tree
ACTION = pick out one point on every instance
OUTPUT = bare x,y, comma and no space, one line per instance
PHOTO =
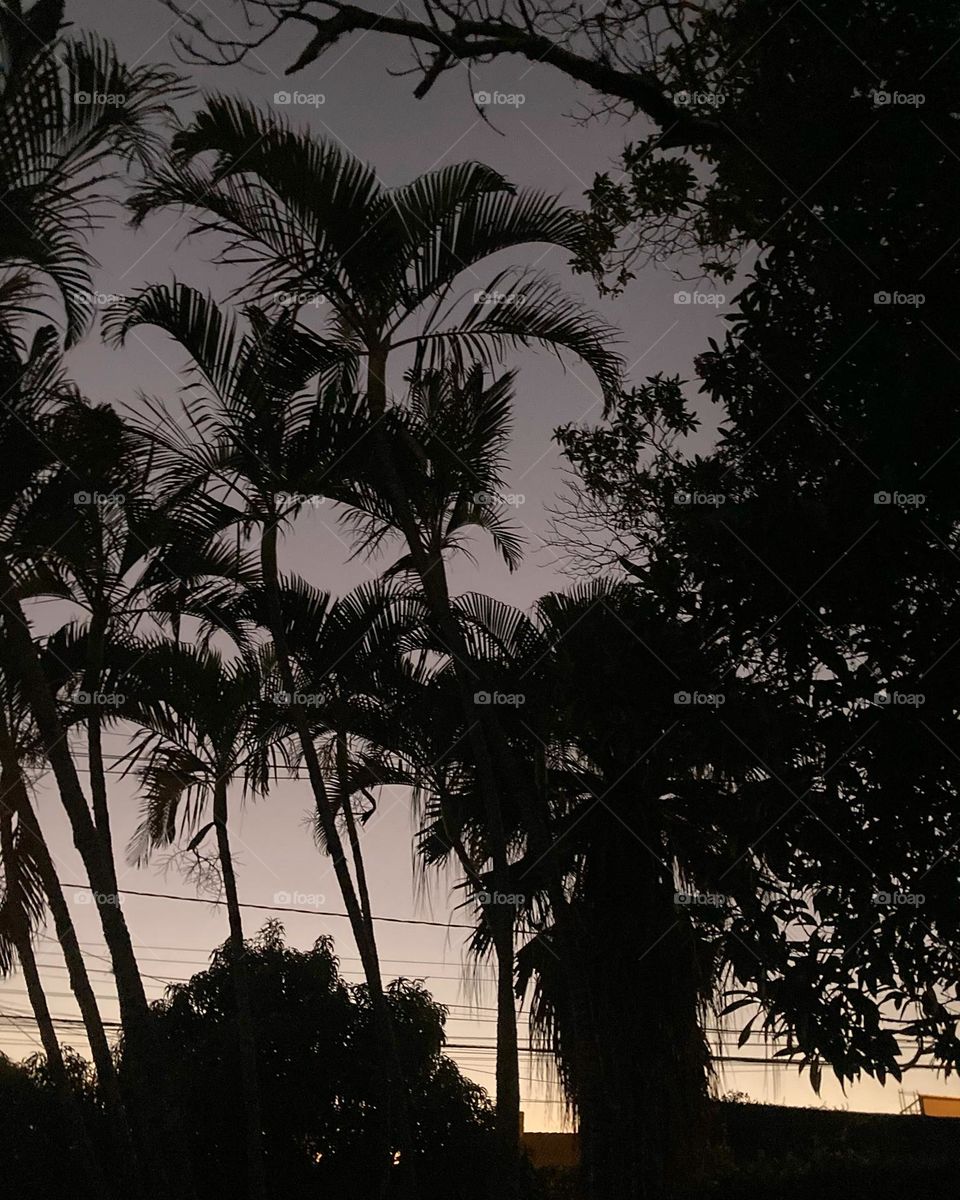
21,750
205,725
124,557
313,222
35,432
72,115
21,911
260,439
644,801
339,650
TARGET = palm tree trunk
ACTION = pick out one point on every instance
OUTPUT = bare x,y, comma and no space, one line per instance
356,850
246,1036
395,1115
169,1173
14,787
587,1064
92,683
431,570
19,930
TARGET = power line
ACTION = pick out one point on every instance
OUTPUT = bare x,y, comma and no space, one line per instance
309,912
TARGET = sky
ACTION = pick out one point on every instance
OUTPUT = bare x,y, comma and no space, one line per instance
536,144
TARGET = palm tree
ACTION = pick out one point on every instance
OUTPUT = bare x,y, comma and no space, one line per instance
205,725
71,115
21,910
340,649
19,749
259,442
644,801
67,107
35,435
124,557
314,223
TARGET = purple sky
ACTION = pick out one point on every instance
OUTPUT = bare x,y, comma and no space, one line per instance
376,117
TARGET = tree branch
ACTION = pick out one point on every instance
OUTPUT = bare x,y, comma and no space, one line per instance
464,40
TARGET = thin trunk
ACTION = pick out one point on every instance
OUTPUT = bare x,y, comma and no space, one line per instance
169,1173
431,569
19,931
356,851
396,1115
93,681
246,1035
29,830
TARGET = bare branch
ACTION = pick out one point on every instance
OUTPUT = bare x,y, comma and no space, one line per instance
475,31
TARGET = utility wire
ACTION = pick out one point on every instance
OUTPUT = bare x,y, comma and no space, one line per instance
309,912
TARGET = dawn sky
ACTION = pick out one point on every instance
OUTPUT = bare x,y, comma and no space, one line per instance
350,97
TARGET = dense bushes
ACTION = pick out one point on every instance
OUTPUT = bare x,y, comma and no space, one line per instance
318,1074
